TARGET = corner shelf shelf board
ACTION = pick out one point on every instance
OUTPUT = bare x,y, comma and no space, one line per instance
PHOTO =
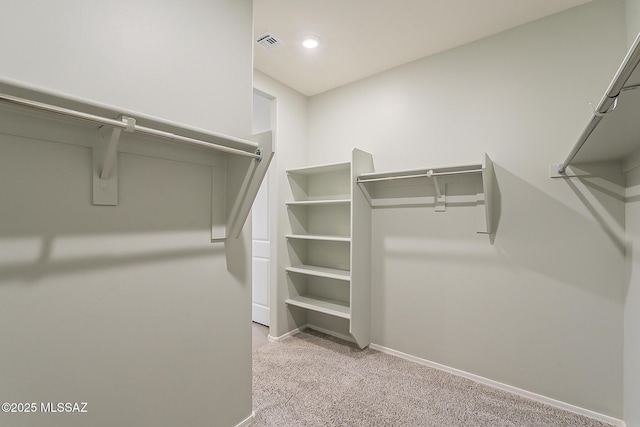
319,237
329,273
320,203
321,305
321,169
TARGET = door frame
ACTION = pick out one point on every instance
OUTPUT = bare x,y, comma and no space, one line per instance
273,210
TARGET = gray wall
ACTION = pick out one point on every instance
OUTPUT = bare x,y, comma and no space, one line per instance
632,304
632,301
633,20
130,308
186,61
540,304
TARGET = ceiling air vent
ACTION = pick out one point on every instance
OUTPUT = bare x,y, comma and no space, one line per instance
269,41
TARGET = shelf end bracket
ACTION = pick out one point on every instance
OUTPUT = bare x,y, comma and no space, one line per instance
105,164
440,198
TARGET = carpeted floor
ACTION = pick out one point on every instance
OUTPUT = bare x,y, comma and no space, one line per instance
312,379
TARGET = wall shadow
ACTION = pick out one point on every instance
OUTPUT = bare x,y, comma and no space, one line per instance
584,249
46,266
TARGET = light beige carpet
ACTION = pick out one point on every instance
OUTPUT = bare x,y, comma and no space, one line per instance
312,379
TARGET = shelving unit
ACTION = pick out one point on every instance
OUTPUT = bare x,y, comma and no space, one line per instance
438,187
330,243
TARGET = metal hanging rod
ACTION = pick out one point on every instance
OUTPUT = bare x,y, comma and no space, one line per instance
428,174
126,125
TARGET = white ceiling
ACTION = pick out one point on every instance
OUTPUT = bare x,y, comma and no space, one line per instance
360,38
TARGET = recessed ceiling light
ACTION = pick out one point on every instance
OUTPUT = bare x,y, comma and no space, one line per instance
310,43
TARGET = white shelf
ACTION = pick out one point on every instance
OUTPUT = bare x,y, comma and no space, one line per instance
322,305
312,270
319,237
612,132
470,184
616,135
328,168
320,202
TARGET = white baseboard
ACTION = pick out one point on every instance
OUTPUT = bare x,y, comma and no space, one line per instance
287,335
505,387
315,328
248,422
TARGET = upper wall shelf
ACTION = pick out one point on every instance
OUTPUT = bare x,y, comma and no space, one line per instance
613,132
462,185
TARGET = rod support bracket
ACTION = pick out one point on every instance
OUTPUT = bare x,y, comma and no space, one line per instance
105,168
609,110
105,163
440,199
259,154
131,124
558,170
